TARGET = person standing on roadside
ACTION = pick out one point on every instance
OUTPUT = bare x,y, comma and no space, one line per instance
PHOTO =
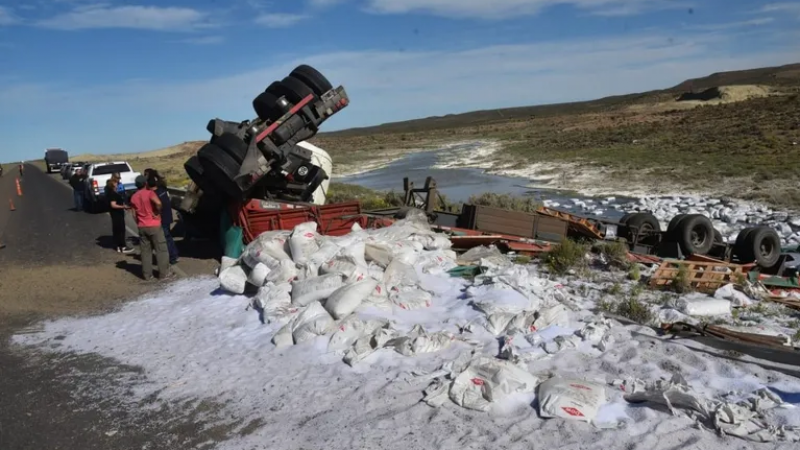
166,215
21,166
78,187
116,210
147,207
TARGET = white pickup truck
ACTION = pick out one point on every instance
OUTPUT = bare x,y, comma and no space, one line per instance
98,174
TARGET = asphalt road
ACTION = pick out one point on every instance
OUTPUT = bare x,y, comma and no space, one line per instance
57,262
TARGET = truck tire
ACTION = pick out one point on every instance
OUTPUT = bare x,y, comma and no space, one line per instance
642,221
695,234
293,89
740,247
232,145
718,237
266,107
762,245
624,219
674,223
196,172
220,168
312,78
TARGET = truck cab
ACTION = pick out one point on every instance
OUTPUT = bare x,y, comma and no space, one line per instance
55,158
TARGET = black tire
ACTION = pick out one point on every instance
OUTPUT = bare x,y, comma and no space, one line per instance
674,222
266,107
762,245
695,234
740,246
293,89
644,222
194,168
718,237
220,169
233,145
312,78
624,219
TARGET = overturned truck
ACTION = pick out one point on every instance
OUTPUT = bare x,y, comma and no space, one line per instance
266,157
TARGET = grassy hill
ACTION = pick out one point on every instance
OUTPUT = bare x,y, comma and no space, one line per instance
741,139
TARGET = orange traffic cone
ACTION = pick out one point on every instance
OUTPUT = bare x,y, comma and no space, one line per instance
11,204
19,188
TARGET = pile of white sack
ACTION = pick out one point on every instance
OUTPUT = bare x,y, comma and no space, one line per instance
389,290
316,283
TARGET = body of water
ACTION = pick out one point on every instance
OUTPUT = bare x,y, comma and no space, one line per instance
459,184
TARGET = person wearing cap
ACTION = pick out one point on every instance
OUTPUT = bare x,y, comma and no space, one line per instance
147,209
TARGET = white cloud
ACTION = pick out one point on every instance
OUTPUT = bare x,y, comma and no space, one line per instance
387,85
280,20
782,7
136,17
205,40
501,9
6,17
730,25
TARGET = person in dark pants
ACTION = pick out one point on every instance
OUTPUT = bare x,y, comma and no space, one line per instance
147,207
166,214
116,210
78,187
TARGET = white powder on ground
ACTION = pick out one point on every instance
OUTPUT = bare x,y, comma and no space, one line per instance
194,343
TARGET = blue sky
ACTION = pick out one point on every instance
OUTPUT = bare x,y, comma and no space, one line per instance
136,75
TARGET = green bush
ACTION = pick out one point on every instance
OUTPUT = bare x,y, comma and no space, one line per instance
370,199
505,201
616,253
635,310
565,256
681,283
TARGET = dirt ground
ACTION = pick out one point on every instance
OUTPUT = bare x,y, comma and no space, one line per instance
56,263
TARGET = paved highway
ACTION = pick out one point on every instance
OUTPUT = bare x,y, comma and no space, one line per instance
57,262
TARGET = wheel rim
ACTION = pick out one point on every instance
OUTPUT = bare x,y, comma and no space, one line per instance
765,249
698,236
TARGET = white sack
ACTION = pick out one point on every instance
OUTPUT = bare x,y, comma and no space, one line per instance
286,272
233,279
258,274
704,306
303,241
410,298
272,296
275,301
313,322
377,253
474,255
351,329
327,250
378,298
555,315
307,270
226,263
343,265
571,399
355,251
399,274
436,262
271,243
488,380
346,299
315,289
419,341
738,299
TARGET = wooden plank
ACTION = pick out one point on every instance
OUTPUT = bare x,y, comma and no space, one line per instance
702,276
